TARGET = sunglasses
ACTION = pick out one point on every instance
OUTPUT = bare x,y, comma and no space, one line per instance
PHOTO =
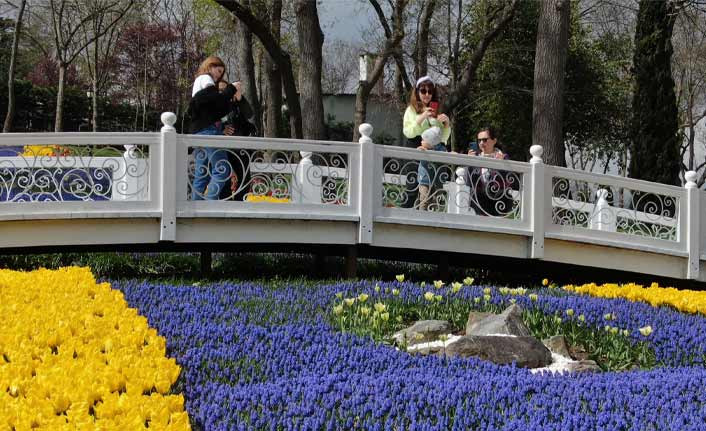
426,91
483,140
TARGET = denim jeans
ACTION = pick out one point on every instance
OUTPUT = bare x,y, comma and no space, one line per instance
423,176
212,170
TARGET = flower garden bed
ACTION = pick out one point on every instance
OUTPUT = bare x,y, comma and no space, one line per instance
274,357
73,356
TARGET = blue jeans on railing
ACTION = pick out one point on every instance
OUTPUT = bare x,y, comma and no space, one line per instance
212,170
423,176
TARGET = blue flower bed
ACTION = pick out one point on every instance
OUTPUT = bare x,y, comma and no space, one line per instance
265,358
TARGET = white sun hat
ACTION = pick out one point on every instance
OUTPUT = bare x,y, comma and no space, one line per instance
423,79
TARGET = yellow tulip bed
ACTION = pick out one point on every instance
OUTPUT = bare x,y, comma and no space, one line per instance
73,356
686,301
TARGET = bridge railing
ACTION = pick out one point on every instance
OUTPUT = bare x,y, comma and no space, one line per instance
73,175
454,190
167,176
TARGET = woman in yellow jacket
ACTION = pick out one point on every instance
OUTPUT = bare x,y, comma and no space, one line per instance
422,113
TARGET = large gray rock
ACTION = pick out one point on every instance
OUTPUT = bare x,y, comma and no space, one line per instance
585,366
526,352
422,331
474,318
509,322
557,344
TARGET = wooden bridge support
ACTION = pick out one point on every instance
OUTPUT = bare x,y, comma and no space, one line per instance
442,269
206,263
351,261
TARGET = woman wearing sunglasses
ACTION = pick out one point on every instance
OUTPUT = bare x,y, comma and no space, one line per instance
491,190
422,113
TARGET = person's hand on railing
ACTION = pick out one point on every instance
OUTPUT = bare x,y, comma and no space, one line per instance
229,130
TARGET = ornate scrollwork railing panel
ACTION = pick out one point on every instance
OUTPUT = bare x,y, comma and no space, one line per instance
483,191
73,173
591,205
268,176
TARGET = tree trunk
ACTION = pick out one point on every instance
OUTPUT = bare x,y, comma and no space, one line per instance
311,40
10,116
248,70
549,65
94,86
94,104
423,39
274,79
59,120
274,99
361,107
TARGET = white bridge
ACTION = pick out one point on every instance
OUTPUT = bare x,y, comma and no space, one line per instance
133,189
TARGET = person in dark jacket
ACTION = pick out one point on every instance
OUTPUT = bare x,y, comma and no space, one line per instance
490,189
207,107
238,123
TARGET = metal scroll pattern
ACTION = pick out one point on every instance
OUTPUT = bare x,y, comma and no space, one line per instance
614,209
431,186
229,174
50,173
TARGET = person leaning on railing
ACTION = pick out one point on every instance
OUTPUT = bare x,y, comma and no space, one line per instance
427,174
422,113
207,107
489,187
238,123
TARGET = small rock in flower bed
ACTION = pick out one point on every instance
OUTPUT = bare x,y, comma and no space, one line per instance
525,352
422,331
509,322
557,344
583,366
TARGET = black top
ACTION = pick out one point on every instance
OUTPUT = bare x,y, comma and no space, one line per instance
240,116
208,106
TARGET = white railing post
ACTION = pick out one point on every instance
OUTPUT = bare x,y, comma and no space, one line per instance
369,176
459,194
169,175
130,180
603,217
538,187
308,181
693,225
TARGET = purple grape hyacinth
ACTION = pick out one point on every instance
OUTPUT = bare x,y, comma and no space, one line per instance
259,357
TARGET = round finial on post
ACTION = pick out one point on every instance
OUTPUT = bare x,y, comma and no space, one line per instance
366,133
690,177
306,156
168,119
460,172
536,151
602,194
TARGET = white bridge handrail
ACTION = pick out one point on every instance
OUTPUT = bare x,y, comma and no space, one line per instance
352,182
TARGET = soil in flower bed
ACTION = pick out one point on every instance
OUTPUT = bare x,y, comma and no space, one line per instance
268,357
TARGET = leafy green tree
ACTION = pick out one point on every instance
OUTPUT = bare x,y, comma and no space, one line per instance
654,152
597,92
